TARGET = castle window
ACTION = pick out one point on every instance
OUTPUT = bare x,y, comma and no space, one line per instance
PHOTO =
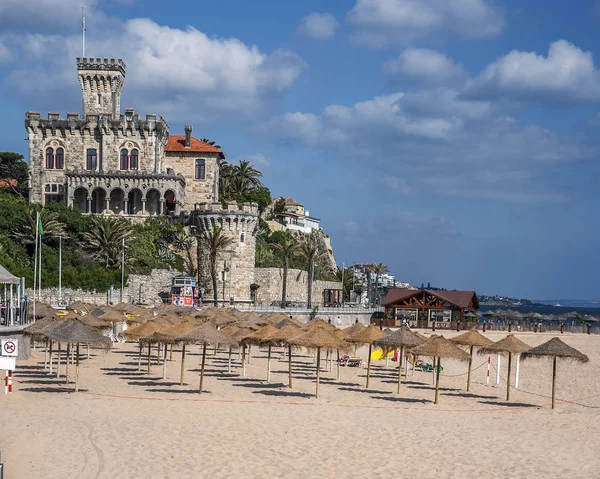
124,159
59,159
242,238
133,160
200,169
50,158
99,99
92,159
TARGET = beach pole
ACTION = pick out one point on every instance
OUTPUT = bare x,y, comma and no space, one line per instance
489,362
437,380
243,360
508,377
269,364
158,354
58,351
149,354
46,356
249,352
400,368
469,373
498,370
553,379
182,365
290,363
202,367
50,359
387,361
88,351
369,366
518,361
67,363
165,363
338,365
171,353
77,369
229,360
140,358
319,371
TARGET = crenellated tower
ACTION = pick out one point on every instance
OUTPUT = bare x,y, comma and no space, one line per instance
102,82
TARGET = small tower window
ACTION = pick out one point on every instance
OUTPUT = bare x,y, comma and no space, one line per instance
124,160
59,163
200,170
242,238
133,160
99,99
50,158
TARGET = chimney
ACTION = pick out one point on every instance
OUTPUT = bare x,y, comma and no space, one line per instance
188,136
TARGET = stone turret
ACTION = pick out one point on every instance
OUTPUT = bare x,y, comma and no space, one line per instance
235,266
102,82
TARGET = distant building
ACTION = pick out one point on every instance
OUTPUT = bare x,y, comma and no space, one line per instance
294,217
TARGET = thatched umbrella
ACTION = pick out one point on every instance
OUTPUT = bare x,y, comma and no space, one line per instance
42,310
355,328
402,338
471,338
238,335
439,347
259,336
318,323
73,331
510,345
555,348
204,335
318,338
283,335
367,336
286,322
113,316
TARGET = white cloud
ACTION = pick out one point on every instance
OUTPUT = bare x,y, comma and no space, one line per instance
5,54
318,26
259,161
169,70
566,75
383,22
426,65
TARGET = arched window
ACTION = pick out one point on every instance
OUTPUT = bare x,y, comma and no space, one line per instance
124,160
133,160
50,158
59,159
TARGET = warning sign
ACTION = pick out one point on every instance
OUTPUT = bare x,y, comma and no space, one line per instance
10,347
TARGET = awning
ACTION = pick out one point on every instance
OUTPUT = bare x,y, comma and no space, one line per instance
6,277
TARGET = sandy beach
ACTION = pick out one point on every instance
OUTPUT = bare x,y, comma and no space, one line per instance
127,424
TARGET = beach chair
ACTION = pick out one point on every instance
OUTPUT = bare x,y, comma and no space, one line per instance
352,362
426,367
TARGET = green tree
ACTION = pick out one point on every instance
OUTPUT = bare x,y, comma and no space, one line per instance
279,206
378,269
104,240
25,227
210,142
14,172
245,177
212,244
310,250
287,247
260,195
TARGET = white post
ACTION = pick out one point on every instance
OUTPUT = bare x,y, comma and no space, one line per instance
40,271
59,270
517,371
11,314
122,269
489,363
35,261
498,370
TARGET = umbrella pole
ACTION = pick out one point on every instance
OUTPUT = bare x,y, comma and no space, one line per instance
400,368
437,380
338,365
229,360
508,377
202,368
269,364
149,354
77,369
387,360
318,371
171,353
50,359
243,360
46,356
518,361
290,363
249,352
88,351
140,358
158,354
165,363
67,363
469,373
369,366
58,351
182,365
553,379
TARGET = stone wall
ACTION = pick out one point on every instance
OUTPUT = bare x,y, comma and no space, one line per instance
196,190
271,280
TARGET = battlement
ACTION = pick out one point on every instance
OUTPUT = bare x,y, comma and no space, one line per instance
106,64
128,122
233,208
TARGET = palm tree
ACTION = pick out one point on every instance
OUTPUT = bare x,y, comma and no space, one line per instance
225,183
212,243
25,228
104,239
287,248
210,142
310,250
378,269
245,177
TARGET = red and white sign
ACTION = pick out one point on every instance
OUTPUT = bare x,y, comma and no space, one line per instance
10,347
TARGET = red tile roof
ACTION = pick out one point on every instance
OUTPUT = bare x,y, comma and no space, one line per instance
177,143
460,299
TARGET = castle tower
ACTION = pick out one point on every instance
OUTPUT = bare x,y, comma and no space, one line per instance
235,265
102,82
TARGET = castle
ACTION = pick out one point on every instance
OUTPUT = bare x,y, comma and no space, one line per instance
110,163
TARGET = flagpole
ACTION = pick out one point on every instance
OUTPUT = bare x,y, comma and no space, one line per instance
59,270
83,32
40,272
35,254
122,269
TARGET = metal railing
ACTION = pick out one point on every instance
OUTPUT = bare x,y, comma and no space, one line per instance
15,316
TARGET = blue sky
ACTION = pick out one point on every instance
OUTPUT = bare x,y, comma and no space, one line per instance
455,141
